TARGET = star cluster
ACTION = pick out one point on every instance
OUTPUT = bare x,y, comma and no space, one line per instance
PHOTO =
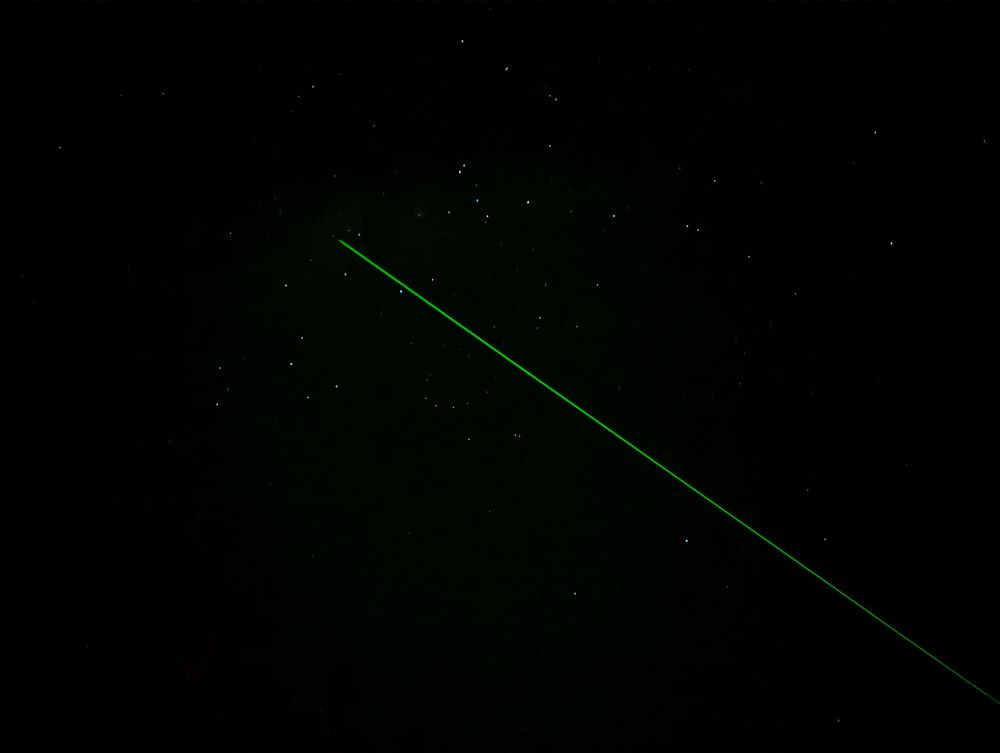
279,499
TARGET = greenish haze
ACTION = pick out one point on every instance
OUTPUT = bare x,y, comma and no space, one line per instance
659,465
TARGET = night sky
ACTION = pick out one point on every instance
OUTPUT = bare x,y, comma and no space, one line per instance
271,500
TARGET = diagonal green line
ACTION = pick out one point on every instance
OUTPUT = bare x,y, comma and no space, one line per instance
670,472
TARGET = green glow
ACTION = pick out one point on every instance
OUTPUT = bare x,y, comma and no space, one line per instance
659,465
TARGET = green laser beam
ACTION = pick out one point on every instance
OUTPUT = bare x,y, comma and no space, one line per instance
670,472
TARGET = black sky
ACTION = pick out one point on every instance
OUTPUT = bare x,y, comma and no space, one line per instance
270,500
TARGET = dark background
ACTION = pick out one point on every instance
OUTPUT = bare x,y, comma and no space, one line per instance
270,501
